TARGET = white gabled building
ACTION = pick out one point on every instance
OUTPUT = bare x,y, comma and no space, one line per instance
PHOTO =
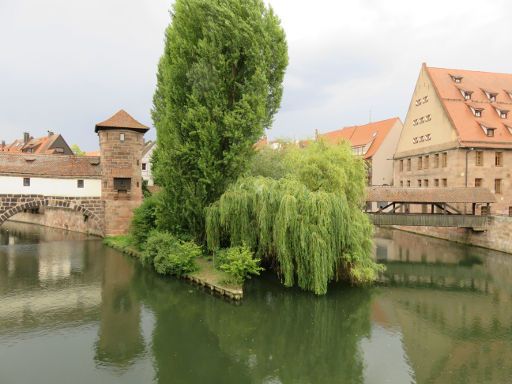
147,153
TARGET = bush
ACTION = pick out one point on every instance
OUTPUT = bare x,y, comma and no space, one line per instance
238,263
170,255
179,260
144,220
157,243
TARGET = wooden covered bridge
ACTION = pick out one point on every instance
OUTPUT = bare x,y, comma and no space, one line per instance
436,207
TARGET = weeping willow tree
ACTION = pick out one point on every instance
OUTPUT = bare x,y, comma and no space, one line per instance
308,225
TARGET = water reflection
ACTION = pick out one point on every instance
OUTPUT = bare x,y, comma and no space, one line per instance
440,315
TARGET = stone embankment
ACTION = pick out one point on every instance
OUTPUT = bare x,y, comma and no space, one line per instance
497,236
206,276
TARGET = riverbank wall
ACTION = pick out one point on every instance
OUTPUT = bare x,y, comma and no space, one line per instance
498,235
59,218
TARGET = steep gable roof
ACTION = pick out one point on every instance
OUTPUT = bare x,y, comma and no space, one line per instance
481,86
372,135
39,145
121,119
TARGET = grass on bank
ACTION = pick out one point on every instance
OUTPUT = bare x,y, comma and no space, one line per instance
204,267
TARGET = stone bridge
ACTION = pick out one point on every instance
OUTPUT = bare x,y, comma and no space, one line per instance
91,208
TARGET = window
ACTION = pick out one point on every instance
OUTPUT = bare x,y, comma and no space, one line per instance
401,183
498,159
497,186
436,182
26,181
484,210
491,96
59,150
143,166
479,158
436,160
503,114
445,159
419,182
419,162
79,183
490,132
457,79
425,99
510,211
122,184
425,183
445,182
408,164
121,137
477,112
401,165
466,94
478,182
425,162
408,183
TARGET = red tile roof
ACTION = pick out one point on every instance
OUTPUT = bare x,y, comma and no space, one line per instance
121,120
38,146
49,165
372,134
467,125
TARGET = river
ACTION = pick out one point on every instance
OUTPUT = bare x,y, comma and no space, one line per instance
75,311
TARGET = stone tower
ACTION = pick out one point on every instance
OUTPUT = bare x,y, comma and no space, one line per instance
121,142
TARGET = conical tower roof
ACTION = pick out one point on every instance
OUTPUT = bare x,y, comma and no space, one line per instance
121,120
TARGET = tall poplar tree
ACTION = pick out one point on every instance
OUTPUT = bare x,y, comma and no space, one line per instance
219,85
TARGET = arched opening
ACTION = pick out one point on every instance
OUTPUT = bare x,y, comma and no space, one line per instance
56,213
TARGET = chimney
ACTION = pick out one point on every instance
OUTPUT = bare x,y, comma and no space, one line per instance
26,137
50,133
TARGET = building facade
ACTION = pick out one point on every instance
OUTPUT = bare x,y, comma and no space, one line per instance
458,133
375,142
146,164
107,187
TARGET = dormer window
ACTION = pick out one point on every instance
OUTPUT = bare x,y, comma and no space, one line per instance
491,96
466,94
489,132
477,111
457,79
509,128
428,118
418,102
502,113
415,122
425,99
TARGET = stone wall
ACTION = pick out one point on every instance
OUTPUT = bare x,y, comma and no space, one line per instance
89,209
497,236
58,218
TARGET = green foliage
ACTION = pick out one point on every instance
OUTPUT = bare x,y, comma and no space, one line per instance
238,263
77,151
170,255
179,260
268,162
309,224
219,85
119,242
144,220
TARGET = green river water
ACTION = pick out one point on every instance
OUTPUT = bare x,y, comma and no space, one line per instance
74,311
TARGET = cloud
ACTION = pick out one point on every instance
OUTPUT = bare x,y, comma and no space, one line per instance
69,64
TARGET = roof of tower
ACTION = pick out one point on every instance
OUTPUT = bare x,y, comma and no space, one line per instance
121,120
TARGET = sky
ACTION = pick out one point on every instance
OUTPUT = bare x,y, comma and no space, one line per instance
67,64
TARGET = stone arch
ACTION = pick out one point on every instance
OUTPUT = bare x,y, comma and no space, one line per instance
72,205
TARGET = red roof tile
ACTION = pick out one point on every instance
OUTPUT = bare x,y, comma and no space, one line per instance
49,165
372,134
478,83
121,120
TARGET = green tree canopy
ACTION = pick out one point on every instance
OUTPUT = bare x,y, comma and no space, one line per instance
219,85
308,224
77,151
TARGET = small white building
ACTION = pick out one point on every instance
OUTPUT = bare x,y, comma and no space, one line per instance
147,153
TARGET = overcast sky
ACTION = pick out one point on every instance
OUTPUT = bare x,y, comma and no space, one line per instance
67,64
